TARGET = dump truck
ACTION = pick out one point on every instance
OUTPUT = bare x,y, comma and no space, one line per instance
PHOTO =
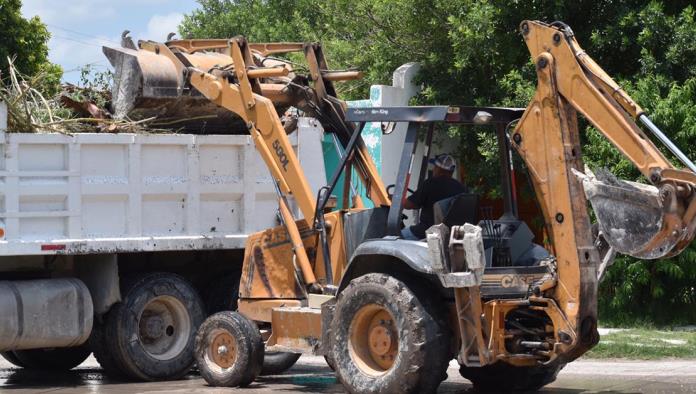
107,237
168,215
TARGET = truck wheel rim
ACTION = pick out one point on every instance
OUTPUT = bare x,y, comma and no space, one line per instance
374,340
222,349
164,327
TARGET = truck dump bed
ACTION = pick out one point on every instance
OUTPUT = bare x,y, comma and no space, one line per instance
107,193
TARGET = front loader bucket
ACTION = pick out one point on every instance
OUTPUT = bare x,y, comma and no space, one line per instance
633,217
149,85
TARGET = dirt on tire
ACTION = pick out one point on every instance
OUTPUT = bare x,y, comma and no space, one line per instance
421,362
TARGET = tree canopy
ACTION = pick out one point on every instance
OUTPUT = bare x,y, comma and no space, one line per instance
471,53
25,41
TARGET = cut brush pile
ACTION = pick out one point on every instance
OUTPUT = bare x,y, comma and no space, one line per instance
29,111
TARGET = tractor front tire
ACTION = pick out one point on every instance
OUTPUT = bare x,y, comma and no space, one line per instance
223,296
229,350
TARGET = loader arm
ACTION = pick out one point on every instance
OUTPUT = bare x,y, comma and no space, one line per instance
644,221
239,92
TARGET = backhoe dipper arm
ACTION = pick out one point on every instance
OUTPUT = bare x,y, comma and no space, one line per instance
567,73
548,140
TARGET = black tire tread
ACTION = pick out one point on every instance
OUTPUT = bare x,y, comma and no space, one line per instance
505,377
275,363
102,352
112,344
12,358
436,365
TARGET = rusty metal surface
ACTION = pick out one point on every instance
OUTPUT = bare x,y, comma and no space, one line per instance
260,310
295,330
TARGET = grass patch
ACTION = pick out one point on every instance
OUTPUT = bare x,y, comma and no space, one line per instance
645,344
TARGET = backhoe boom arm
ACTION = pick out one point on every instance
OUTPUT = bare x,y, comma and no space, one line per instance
640,220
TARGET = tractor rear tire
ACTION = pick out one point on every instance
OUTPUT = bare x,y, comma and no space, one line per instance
384,338
55,359
150,334
502,377
229,350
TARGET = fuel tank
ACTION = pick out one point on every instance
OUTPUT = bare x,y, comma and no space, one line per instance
44,313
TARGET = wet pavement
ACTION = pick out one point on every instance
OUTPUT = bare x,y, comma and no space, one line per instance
311,375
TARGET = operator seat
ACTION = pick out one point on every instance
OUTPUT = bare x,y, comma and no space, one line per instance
457,210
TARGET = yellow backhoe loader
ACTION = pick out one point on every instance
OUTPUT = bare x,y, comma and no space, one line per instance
387,313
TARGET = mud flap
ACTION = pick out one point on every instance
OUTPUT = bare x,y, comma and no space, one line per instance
635,219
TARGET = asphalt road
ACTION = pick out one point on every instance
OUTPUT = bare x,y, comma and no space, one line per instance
311,375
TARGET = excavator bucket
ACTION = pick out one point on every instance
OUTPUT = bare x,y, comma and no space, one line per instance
635,219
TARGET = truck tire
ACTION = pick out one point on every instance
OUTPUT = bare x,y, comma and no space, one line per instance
384,339
100,348
275,363
55,359
12,358
502,377
150,334
229,350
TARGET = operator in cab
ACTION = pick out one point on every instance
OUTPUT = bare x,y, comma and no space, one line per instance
439,186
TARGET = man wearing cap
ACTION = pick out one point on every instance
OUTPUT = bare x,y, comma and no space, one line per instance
439,186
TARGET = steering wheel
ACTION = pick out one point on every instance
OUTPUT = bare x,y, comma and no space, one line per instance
390,189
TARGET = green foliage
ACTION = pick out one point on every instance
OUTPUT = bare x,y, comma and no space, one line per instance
645,344
471,53
94,86
25,41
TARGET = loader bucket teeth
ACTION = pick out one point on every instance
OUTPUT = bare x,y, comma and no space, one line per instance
635,218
